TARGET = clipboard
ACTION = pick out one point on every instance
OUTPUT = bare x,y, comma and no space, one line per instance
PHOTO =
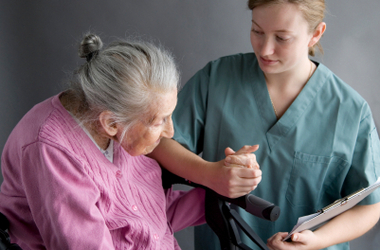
313,221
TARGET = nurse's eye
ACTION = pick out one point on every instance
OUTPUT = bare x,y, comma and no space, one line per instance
257,32
282,39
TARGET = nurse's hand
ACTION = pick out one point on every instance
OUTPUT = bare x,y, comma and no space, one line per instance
238,174
306,240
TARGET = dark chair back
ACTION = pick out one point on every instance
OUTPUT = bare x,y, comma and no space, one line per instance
5,241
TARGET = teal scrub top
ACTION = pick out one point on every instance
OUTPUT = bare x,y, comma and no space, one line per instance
323,148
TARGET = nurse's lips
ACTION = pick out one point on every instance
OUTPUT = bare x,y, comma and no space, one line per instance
267,61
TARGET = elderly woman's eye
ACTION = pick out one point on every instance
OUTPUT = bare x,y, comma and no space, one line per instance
162,121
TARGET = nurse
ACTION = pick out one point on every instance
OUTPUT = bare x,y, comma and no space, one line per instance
317,137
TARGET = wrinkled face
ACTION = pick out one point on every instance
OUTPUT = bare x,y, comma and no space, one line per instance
279,37
144,136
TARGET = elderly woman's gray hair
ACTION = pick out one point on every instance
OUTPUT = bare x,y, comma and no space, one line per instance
121,78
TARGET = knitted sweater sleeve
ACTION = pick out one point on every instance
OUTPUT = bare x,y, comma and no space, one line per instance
62,199
185,208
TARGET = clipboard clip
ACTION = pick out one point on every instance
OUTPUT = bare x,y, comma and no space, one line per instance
341,201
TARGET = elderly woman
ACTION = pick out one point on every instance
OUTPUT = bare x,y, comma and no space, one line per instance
75,174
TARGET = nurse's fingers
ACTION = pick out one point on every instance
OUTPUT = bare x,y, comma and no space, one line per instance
234,181
275,242
243,178
244,173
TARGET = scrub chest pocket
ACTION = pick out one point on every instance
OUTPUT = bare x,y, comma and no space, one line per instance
310,177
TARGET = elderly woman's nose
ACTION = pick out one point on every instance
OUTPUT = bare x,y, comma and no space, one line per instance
168,131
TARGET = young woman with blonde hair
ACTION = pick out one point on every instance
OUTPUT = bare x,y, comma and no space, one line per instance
318,141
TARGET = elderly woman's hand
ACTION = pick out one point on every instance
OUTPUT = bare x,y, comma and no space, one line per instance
242,158
238,174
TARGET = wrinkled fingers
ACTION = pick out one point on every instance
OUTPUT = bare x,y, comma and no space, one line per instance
243,160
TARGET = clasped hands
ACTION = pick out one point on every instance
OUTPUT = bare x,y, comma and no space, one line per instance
240,173
239,176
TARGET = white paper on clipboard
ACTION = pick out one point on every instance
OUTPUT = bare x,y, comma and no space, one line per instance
313,221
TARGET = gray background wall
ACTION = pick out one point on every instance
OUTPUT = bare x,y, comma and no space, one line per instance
38,42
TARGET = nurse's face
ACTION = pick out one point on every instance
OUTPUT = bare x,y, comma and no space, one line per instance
280,37
144,136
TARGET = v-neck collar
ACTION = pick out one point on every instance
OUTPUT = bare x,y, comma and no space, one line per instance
277,129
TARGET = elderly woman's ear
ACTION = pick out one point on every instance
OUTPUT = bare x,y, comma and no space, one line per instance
108,123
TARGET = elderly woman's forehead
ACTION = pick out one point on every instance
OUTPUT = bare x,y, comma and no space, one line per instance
160,102
153,109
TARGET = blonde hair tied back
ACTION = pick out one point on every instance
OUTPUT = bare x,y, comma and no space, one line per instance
313,11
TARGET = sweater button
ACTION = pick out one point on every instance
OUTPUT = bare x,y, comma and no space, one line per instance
156,237
134,208
119,174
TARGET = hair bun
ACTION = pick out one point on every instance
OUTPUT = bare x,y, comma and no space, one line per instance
90,45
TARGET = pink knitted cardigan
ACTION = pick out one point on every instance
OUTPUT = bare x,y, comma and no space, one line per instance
60,192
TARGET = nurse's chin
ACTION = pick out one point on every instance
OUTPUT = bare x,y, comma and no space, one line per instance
269,69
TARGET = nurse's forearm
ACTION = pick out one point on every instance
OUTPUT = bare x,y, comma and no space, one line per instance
349,225
232,181
180,161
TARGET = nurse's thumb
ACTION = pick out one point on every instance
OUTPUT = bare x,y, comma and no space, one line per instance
297,237
247,149
229,151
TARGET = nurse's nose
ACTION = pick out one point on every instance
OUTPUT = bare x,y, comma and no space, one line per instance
267,47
